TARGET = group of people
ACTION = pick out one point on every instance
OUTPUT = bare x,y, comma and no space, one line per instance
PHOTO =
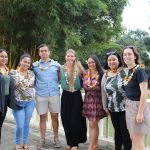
118,89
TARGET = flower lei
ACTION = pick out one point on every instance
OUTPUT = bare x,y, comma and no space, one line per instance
89,78
22,83
71,85
37,64
127,78
114,70
6,72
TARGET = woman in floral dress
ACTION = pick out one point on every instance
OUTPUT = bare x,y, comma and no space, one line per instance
25,96
92,106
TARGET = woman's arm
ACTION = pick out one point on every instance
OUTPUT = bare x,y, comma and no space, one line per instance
81,68
104,98
144,92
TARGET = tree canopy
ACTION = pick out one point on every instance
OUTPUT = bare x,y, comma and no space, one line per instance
141,40
84,25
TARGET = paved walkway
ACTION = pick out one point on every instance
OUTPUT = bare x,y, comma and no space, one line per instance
8,141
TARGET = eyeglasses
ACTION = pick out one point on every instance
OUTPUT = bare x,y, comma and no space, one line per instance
110,53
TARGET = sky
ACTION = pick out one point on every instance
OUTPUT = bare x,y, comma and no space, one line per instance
137,15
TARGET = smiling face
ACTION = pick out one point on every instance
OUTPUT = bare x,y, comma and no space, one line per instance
25,63
70,57
3,58
113,62
129,57
44,53
91,64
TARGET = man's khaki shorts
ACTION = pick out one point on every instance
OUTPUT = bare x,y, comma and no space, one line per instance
51,103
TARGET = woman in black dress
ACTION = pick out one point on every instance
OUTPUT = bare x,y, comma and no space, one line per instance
71,102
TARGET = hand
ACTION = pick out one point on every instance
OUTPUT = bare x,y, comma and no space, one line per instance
107,112
139,118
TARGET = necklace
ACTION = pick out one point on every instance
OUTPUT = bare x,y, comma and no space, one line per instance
90,79
68,79
4,72
113,70
23,83
128,78
42,68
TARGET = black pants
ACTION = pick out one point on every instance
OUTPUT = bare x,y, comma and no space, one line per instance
121,136
3,115
71,114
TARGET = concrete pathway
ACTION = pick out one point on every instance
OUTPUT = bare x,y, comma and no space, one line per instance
8,140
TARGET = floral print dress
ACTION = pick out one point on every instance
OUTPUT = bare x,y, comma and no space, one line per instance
92,105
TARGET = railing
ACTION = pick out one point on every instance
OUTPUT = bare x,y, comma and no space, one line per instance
105,126
108,130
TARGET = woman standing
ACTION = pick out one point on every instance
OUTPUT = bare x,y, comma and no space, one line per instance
92,106
137,111
6,89
71,102
4,86
113,97
25,95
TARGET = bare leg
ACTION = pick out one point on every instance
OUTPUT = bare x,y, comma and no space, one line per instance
94,132
43,125
96,142
55,123
138,142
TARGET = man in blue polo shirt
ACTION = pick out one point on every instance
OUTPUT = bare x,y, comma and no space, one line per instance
47,92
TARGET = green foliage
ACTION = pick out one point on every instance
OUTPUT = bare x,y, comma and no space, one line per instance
136,38
147,43
141,40
83,25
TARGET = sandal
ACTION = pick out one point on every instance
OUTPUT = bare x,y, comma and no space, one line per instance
19,147
96,148
41,143
26,147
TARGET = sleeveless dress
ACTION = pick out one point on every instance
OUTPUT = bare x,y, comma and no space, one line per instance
92,105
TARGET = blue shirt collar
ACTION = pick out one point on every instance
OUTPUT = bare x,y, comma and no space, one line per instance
41,61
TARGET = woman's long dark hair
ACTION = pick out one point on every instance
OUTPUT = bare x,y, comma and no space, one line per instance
98,65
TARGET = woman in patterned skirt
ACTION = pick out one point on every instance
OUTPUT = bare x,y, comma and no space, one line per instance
113,97
92,106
